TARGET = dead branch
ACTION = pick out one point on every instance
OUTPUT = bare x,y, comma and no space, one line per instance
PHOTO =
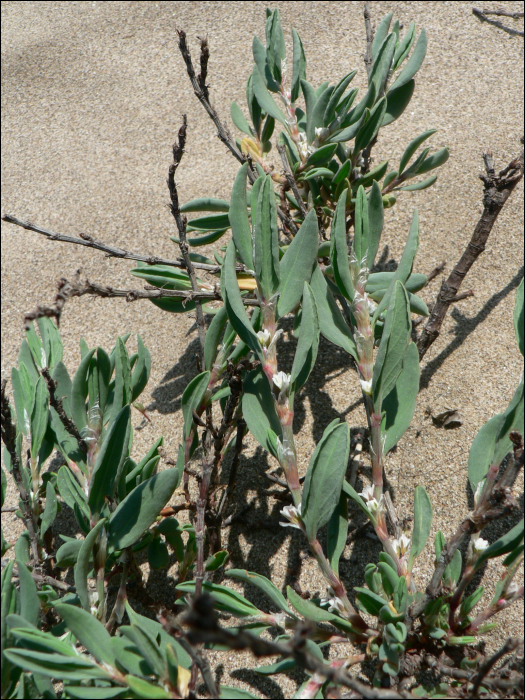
497,189
483,16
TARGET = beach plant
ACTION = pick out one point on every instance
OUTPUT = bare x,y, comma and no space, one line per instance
304,242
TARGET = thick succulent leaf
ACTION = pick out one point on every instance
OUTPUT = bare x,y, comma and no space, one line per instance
79,391
414,62
264,98
381,33
297,264
339,250
139,509
382,63
239,220
412,148
77,668
361,226
397,101
225,599
258,408
503,545
375,222
191,400
404,46
29,601
266,241
405,264
393,346
324,478
206,204
315,119
331,320
240,122
337,532
110,458
83,563
422,523
400,403
306,352
492,441
234,306
368,131
299,65
89,631
265,585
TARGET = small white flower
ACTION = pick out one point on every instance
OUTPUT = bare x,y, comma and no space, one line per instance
512,588
264,337
479,490
292,514
336,605
367,494
366,386
401,545
479,545
282,381
374,505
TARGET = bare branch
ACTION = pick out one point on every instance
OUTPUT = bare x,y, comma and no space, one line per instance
497,189
369,39
178,151
482,15
484,669
109,250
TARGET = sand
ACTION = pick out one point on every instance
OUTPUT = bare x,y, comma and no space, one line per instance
92,99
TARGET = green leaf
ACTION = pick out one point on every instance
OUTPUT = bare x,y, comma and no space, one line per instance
321,155
233,302
147,645
139,509
382,63
240,122
56,666
317,172
368,131
397,101
337,94
492,442
368,601
310,98
412,148
434,161
400,402
209,223
238,217
213,336
163,276
361,226
339,250
265,585
258,408
206,204
404,46
82,566
422,523
122,394
418,185
352,493
71,491
306,352
470,602
405,265
39,416
413,63
519,322
110,458
89,631
158,555
375,222
51,341
264,98
29,601
453,570
225,599
315,117
336,533
144,689
266,241
192,398
297,264
93,693
505,544
79,391
299,65
381,34
331,321
228,692
50,510
67,554
324,478
314,613
141,371
393,346
215,561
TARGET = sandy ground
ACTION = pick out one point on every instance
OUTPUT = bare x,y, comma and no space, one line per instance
93,94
